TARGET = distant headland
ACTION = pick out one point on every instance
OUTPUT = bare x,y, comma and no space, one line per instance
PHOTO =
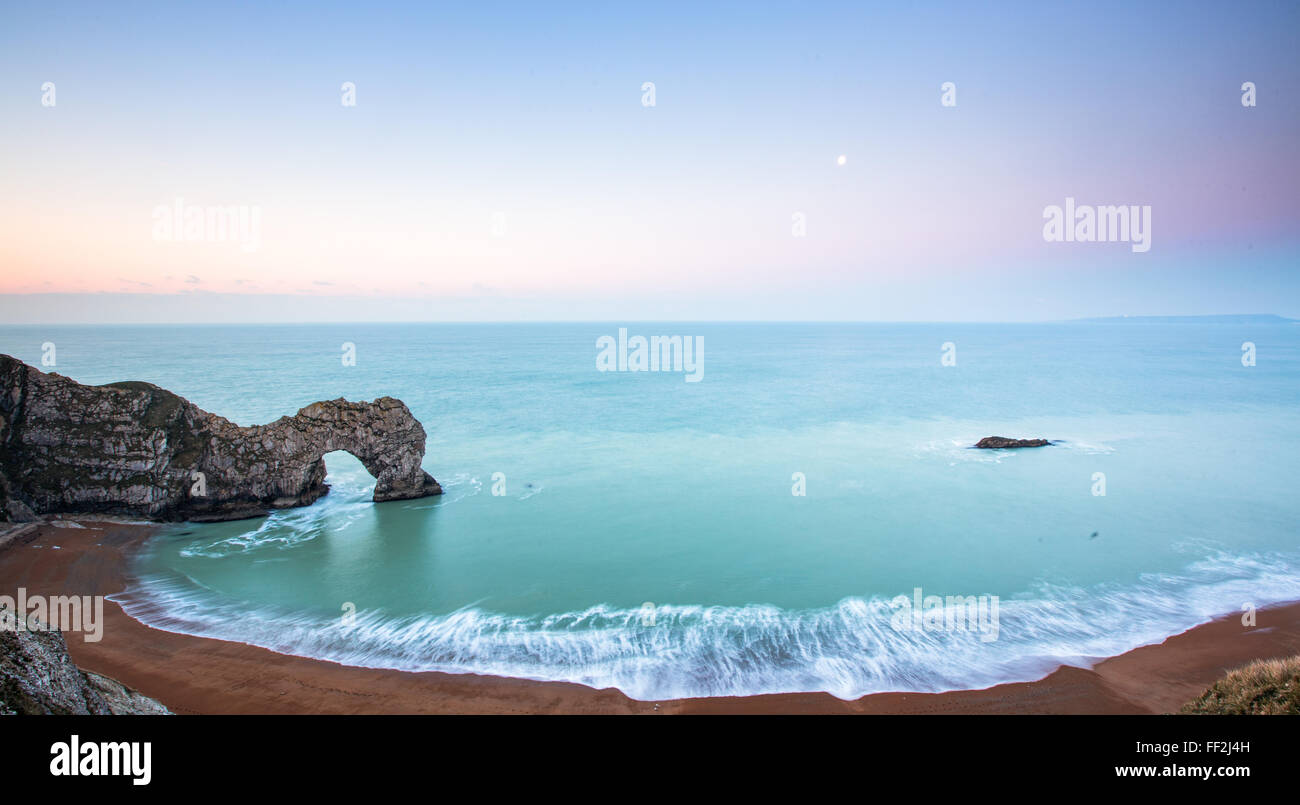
1229,318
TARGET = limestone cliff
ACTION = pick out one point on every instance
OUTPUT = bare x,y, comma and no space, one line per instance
37,677
135,449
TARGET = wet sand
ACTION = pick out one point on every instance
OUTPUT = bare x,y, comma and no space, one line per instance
200,675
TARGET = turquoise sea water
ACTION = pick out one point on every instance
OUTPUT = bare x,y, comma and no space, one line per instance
647,537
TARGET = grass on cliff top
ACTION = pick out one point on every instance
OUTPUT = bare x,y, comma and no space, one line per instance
1265,687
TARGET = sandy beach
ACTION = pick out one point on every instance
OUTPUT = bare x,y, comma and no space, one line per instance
192,675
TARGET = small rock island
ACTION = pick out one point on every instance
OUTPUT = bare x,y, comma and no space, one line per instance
134,449
1002,442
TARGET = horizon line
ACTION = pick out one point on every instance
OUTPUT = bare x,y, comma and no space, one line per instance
619,322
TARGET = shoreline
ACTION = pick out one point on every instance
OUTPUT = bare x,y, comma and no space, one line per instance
192,675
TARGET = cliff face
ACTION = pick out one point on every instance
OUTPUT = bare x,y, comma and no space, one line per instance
135,449
37,677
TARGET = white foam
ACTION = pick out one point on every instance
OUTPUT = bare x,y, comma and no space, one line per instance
848,649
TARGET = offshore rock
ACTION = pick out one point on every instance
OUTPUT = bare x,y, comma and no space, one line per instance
134,449
1002,442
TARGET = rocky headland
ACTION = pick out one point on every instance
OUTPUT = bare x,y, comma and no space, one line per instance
133,449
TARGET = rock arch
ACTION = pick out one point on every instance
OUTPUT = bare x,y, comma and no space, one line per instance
139,450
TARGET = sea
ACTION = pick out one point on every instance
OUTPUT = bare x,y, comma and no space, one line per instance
760,524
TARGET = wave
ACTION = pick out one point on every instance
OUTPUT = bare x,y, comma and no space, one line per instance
848,650
349,500
288,527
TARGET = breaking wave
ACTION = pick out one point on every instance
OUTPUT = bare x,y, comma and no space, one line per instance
849,649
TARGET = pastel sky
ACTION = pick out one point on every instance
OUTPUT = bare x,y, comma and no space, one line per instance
500,164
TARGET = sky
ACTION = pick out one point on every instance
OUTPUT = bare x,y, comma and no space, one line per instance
502,161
